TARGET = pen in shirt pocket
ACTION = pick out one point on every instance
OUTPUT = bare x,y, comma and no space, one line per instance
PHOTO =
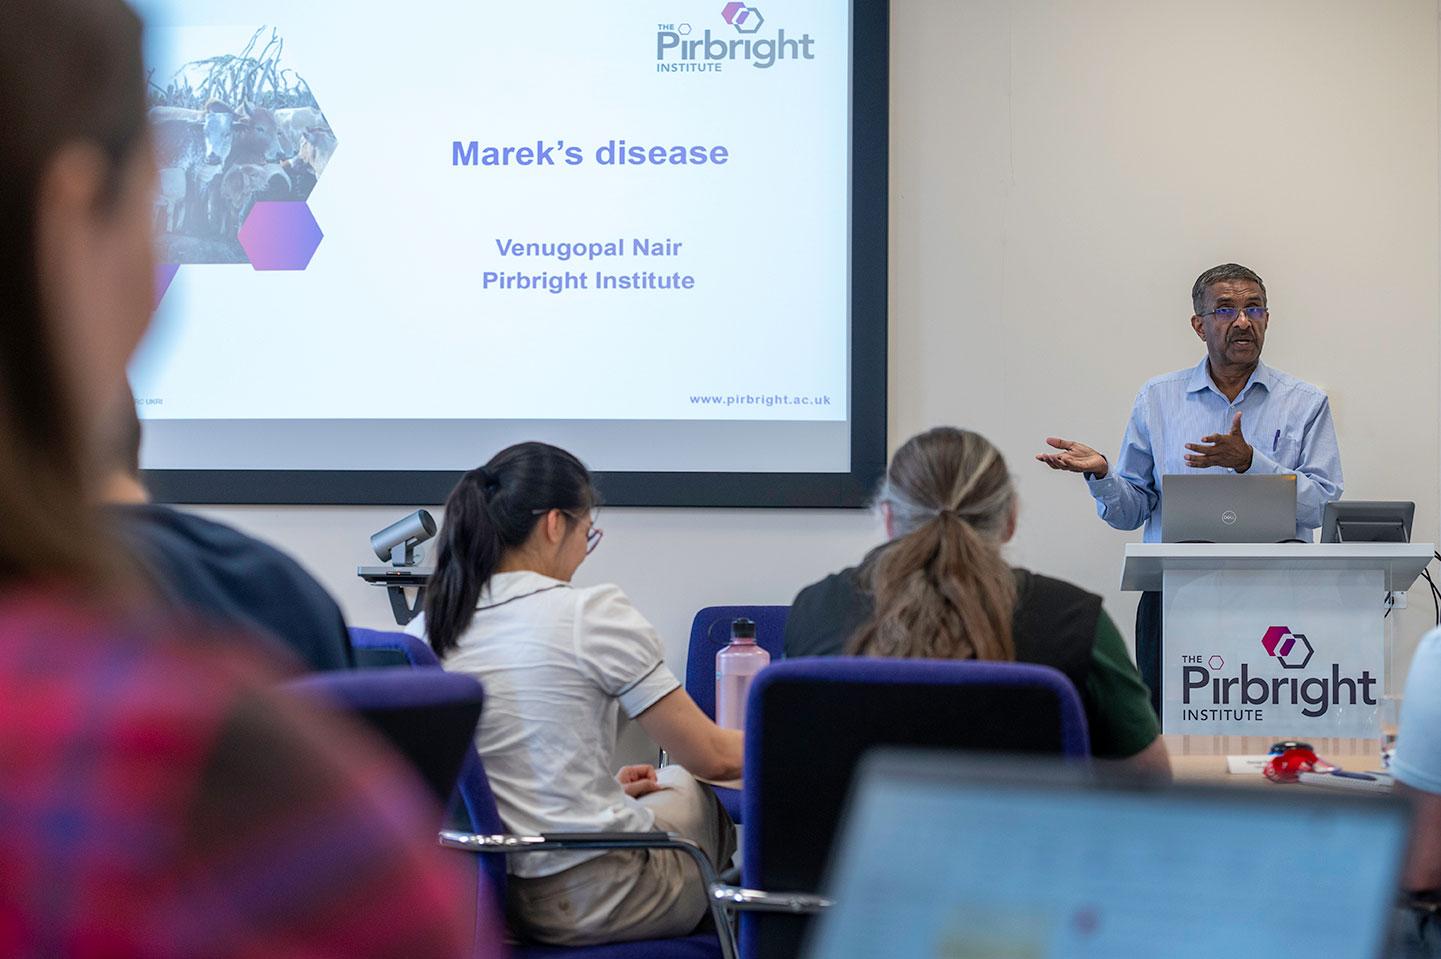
1275,441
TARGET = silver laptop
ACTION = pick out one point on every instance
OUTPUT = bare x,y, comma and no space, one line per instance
943,855
1227,508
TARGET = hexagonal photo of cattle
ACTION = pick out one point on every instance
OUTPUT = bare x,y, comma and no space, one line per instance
230,131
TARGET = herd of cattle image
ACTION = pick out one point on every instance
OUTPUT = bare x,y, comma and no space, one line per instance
230,132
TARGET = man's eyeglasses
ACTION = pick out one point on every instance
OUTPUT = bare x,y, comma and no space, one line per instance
1227,313
593,535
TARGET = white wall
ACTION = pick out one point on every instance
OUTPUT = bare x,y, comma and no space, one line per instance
1061,171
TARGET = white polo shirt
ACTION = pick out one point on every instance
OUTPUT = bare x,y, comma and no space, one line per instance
558,664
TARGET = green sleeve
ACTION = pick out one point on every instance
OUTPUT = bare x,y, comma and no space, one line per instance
1118,705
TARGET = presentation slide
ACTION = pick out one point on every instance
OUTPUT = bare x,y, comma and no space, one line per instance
400,236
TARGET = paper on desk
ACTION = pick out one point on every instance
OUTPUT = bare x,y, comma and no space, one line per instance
1246,765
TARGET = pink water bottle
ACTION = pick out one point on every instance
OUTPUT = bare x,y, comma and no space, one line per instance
735,666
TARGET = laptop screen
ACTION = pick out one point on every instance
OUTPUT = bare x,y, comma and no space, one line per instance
956,866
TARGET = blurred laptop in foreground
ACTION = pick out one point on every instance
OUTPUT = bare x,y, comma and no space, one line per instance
949,856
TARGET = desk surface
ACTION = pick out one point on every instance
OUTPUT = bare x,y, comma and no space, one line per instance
1211,770
1202,759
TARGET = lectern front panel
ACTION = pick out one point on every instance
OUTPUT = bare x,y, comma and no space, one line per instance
1290,654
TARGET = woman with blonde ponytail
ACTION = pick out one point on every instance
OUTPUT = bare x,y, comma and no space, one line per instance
941,589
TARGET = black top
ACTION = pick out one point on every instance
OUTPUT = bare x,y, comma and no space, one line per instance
235,580
1054,625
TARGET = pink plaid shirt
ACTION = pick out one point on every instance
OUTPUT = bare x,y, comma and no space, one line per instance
157,801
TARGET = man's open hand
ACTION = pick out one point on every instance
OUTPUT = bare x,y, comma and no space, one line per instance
1075,458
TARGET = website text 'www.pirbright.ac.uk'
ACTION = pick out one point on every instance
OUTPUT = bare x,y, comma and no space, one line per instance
760,399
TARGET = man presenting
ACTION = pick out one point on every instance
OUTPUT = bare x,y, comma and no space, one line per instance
1230,412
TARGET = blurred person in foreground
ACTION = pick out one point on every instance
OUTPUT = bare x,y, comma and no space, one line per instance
156,799
1417,767
215,571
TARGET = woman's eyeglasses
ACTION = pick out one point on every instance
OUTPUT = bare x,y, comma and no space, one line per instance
593,535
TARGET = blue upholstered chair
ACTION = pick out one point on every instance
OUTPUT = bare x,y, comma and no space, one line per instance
478,829
429,718
378,647
809,722
710,631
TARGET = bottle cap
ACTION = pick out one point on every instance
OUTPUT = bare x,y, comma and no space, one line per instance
743,629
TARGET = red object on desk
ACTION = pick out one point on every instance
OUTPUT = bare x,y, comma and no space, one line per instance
1289,760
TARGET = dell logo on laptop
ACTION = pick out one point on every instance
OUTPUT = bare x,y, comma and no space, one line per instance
1229,517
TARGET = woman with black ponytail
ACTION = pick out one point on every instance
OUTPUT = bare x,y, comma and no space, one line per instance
559,663
941,589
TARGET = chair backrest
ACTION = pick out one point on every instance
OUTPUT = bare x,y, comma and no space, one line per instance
809,722
710,631
428,716
472,805
378,647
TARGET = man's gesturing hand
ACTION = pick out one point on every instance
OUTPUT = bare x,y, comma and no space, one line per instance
1222,449
1075,458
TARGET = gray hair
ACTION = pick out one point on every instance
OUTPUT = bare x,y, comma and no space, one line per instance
947,470
1219,274
987,514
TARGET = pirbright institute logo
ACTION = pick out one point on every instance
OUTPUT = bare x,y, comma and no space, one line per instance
680,49
1292,650
1211,691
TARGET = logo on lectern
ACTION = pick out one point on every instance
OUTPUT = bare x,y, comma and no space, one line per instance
1292,650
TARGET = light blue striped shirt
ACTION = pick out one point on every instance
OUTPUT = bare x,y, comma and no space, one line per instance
1286,421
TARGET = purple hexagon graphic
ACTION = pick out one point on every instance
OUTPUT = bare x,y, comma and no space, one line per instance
280,235
745,19
164,275
1282,643
1272,637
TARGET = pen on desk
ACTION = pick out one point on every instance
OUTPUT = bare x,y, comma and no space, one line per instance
1275,441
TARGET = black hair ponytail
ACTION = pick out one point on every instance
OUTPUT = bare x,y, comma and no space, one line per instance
491,510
